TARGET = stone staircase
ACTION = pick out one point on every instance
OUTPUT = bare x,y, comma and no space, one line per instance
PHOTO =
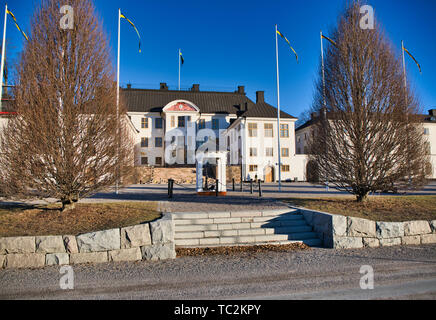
212,229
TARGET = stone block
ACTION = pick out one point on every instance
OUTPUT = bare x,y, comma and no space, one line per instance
25,260
162,230
412,228
70,244
57,259
17,245
99,241
347,242
132,254
428,238
407,240
159,252
49,244
371,242
89,257
389,229
358,227
339,225
388,242
135,236
2,260
433,226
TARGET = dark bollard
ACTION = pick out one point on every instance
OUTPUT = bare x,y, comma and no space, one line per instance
205,185
217,182
241,184
170,188
251,186
260,190
233,182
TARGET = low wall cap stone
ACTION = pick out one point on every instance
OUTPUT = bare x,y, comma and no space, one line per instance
135,236
412,228
50,244
99,241
389,229
358,227
70,244
17,245
162,230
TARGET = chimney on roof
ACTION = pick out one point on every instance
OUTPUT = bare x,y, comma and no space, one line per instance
195,88
129,86
260,96
241,90
163,86
432,112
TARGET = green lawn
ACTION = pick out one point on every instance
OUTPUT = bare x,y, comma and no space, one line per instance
377,208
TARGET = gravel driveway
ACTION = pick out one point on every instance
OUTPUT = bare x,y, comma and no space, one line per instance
399,272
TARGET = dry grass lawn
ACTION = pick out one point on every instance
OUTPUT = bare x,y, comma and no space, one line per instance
26,220
377,208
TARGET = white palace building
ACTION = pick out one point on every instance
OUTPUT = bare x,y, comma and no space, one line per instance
170,127
181,122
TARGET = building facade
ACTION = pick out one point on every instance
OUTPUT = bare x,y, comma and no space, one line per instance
428,122
175,126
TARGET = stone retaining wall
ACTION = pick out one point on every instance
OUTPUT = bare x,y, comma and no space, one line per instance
342,232
148,241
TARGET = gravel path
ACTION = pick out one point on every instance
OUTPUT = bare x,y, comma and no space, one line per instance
316,273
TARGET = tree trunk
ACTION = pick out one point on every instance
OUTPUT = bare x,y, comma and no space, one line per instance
68,204
362,197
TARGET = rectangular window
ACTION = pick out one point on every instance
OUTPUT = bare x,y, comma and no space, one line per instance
215,124
426,131
253,152
253,167
144,142
144,161
269,152
252,129
268,130
201,124
285,168
173,121
158,123
158,142
285,152
284,131
158,161
181,121
144,123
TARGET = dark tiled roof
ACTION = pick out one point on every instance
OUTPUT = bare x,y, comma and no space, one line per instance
147,100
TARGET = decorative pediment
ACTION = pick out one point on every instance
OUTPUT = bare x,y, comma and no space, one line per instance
181,106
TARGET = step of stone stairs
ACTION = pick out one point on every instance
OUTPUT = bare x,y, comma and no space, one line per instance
207,229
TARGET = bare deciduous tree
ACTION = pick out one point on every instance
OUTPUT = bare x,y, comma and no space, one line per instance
67,140
368,136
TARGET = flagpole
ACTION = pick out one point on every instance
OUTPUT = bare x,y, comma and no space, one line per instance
179,69
118,93
278,113
3,57
325,102
405,95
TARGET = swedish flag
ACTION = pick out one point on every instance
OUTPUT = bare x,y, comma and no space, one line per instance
328,39
16,24
131,23
181,57
281,35
407,51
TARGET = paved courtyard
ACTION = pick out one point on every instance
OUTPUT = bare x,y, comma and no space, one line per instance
185,198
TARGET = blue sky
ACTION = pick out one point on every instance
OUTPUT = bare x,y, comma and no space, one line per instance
230,43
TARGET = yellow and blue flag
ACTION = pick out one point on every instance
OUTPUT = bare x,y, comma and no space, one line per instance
328,39
16,24
281,35
131,23
407,51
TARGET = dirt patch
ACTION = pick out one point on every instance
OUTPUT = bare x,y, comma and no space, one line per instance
227,251
377,208
33,220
